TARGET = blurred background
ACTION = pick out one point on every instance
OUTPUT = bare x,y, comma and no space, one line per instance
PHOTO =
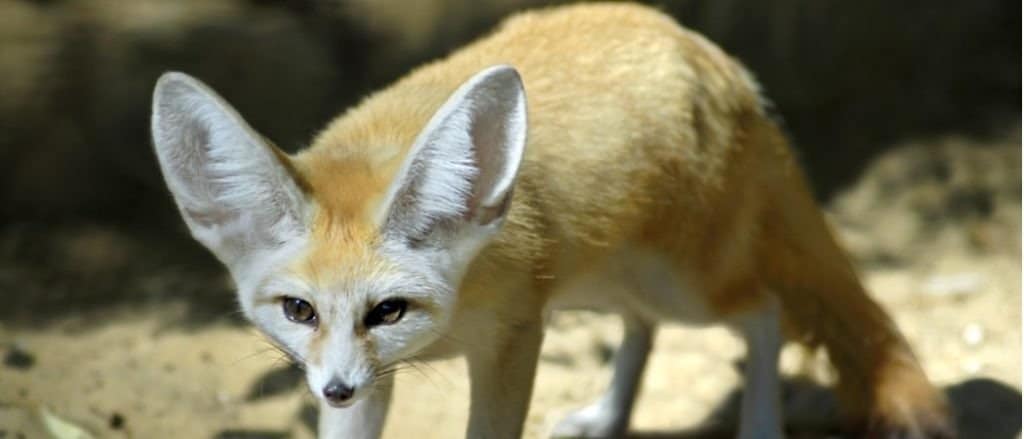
906,116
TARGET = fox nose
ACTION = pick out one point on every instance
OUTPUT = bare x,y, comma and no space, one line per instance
338,393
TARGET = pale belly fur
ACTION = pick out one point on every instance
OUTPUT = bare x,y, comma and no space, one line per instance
637,283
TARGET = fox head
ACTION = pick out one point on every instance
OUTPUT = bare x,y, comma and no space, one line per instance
348,292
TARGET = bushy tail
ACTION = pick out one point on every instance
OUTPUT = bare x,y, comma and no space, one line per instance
882,388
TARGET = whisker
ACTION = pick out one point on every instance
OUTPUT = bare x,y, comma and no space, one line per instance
419,365
254,354
451,338
227,314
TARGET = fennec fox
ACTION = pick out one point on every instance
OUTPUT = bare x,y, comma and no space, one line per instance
592,156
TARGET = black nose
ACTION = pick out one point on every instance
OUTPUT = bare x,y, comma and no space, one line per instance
337,392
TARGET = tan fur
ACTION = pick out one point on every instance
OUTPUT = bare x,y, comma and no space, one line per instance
642,134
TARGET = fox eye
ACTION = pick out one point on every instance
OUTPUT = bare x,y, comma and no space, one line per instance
386,313
298,310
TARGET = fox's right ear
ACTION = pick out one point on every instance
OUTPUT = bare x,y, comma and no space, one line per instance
232,188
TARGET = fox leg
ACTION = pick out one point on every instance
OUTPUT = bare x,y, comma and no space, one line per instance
363,420
608,417
760,409
501,373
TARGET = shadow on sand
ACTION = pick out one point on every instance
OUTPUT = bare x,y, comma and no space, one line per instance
90,274
984,409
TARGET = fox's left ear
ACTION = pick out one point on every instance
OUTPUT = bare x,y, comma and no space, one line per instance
463,166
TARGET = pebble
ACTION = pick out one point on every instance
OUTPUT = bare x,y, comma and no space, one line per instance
19,358
971,366
960,284
116,421
973,334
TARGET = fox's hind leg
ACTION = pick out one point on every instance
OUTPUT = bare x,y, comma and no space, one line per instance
608,417
760,409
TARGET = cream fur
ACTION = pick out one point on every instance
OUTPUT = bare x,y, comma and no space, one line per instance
648,181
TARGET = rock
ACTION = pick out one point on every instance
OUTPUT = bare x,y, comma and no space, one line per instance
60,428
18,358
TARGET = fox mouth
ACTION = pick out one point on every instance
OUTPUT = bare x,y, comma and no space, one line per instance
341,404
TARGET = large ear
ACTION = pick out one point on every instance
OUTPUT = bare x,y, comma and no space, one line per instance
463,165
232,188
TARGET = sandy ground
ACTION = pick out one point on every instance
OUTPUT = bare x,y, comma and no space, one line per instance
118,334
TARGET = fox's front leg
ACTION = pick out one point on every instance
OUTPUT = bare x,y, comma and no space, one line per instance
363,420
608,417
501,373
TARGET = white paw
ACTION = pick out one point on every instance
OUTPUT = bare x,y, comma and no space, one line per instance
592,422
